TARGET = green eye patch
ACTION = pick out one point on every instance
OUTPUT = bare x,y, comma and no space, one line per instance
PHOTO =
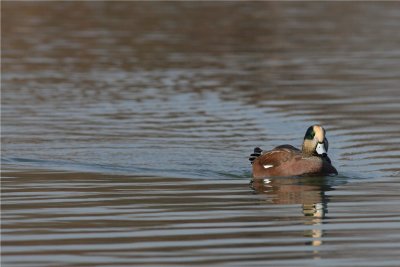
310,133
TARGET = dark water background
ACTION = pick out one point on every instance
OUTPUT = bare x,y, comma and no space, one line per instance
126,127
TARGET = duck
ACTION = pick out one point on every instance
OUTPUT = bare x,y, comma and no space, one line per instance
287,160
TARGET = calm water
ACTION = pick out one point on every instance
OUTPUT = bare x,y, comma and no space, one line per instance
126,129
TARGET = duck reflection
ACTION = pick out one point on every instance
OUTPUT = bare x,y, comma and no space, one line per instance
307,191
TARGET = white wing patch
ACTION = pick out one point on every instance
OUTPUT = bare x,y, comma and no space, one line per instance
267,181
268,166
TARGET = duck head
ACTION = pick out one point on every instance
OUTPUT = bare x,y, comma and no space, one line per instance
315,142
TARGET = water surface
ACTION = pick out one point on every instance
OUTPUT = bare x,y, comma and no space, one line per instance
126,129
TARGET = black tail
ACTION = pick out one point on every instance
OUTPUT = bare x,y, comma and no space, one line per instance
255,154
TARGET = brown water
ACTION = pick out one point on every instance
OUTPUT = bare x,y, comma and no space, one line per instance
126,128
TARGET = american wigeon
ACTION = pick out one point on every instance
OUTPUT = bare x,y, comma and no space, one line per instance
286,160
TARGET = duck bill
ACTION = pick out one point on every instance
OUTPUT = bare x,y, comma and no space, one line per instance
321,149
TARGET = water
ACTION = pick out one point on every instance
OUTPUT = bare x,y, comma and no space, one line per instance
126,129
